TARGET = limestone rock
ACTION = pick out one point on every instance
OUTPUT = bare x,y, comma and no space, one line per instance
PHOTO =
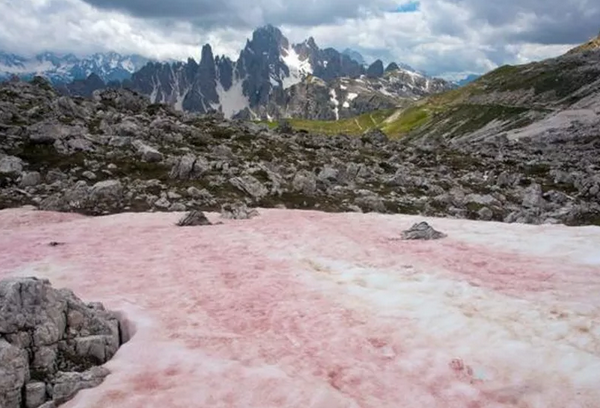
422,231
194,219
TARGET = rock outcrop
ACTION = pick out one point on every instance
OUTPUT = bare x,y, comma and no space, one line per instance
422,231
194,219
52,345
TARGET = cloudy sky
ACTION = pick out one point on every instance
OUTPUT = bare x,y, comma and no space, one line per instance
442,37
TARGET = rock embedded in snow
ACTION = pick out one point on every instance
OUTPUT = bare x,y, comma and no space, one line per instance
237,211
48,335
194,219
422,231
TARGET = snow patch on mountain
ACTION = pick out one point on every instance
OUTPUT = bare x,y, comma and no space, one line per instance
298,68
336,104
66,68
180,98
233,100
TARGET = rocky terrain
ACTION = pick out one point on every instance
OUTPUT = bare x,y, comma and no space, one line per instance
51,343
117,152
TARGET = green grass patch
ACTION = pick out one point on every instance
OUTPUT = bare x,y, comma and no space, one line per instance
349,126
410,119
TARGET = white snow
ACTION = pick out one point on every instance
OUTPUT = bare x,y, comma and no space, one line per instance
344,87
352,96
233,100
128,65
298,68
346,104
155,88
180,98
336,104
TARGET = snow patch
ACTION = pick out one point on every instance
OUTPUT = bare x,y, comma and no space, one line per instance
180,98
352,96
495,316
298,68
233,100
336,104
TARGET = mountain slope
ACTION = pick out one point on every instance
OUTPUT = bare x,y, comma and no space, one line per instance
542,98
62,69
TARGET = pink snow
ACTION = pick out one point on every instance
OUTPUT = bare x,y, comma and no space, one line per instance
308,309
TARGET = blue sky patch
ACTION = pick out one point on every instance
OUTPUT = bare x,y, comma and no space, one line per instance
409,7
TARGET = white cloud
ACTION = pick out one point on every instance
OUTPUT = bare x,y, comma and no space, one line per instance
445,37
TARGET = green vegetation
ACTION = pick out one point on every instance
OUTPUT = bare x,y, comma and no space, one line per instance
410,119
350,126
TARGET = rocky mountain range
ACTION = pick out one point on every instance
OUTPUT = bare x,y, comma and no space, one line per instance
273,79
64,69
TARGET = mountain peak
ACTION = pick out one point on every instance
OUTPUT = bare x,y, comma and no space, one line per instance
312,43
392,67
375,70
267,38
267,31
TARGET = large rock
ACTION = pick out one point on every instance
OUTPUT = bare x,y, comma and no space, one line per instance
148,154
67,385
532,197
53,338
305,181
48,132
11,165
14,373
250,185
107,190
30,179
189,167
237,211
422,231
194,219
